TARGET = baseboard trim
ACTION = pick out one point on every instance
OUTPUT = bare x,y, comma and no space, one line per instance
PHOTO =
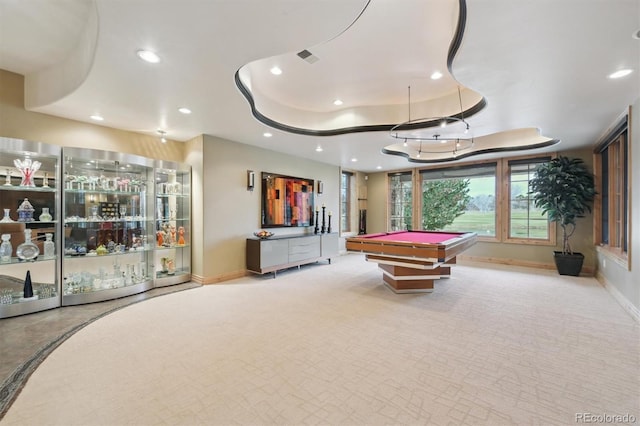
586,271
620,298
218,278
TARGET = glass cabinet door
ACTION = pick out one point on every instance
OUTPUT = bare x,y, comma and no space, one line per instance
172,257
108,223
29,228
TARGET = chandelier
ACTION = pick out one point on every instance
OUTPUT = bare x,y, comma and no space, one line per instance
434,135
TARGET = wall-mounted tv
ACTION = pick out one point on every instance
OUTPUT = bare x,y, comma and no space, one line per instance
286,201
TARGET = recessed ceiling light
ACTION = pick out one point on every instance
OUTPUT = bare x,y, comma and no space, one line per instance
620,73
276,71
148,56
353,160
162,133
97,117
436,75
184,110
636,35
267,134
318,148
337,102
379,167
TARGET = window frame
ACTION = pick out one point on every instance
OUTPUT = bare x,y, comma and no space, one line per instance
612,204
346,201
506,224
413,197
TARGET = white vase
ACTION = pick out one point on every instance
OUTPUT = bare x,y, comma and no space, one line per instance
45,216
6,218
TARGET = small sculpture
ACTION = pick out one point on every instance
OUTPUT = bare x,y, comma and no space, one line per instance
28,169
181,241
27,291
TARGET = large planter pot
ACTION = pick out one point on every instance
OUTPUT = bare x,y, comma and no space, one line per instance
568,264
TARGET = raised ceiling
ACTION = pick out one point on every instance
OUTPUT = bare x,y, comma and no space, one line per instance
536,70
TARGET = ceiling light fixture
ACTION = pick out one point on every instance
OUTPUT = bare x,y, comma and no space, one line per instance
439,134
319,148
353,160
276,71
267,134
162,133
436,75
620,73
97,117
337,102
184,110
148,56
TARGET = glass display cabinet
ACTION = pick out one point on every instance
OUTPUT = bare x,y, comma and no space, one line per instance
29,228
172,255
108,224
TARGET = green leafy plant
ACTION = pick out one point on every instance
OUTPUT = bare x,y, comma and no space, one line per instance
564,189
443,201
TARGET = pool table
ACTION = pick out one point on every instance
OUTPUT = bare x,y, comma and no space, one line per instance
412,260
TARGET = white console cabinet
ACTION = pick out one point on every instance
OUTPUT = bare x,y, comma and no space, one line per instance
276,253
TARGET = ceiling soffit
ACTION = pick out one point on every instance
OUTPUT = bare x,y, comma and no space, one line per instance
381,89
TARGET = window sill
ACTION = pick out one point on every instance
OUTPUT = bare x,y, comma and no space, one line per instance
616,255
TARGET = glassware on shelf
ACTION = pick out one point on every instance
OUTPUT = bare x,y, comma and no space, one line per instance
45,180
6,218
94,214
49,246
45,216
123,212
7,180
6,296
27,169
25,211
6,249
27,250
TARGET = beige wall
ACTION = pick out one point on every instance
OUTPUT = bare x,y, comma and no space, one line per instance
232,213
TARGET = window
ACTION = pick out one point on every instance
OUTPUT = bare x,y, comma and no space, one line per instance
400,201
471,187
345,201
490,198
526,221
612,181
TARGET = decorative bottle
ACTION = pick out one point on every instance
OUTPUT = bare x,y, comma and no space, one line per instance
6,249
45,216
49,247
27,250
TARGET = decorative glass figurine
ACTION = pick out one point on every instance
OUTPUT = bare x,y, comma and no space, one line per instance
27,250
6,218
27,169
45,180
25,211
6,249
45,216
49,247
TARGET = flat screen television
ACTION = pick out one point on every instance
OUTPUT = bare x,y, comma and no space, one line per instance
287,201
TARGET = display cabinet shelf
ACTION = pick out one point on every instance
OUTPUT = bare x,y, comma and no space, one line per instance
172,257
108,225
29,177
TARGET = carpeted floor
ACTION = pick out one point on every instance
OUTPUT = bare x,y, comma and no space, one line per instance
328,344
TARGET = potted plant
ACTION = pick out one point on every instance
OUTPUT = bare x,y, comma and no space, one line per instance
564,189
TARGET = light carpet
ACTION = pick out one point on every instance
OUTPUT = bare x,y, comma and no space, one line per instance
329,344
